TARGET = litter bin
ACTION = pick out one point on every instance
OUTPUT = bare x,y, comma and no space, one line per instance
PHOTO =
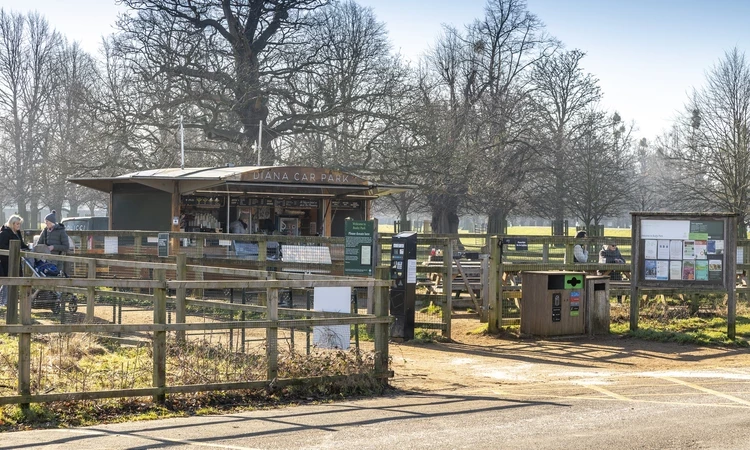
597,293
553,303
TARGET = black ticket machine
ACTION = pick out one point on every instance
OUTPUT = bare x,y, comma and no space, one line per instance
404,283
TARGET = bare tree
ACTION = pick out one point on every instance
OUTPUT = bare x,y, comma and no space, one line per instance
361,85
232,65
27,50
73,137
475,85
710,143
563,97
602,176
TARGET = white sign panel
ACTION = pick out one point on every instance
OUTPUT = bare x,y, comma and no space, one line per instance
665,229
411,271
110,244
332,299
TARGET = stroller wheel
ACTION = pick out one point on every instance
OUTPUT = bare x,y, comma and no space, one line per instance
72,301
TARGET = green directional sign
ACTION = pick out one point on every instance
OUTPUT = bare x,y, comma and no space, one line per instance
358,247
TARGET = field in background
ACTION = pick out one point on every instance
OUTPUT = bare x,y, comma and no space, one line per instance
529,231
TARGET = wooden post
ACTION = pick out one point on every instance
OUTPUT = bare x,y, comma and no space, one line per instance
494,282
262,253
382,330
448,286
91,292
272,334
176,200
14,266
731,275
160,337
485,289
569,257
181,260
635,256
24,345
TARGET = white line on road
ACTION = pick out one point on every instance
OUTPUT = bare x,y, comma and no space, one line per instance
708,391
155,438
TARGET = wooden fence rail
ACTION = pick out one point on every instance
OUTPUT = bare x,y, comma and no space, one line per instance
159,328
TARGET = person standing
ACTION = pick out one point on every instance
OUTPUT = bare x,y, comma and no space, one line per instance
239,226
11,231
54,235
580,254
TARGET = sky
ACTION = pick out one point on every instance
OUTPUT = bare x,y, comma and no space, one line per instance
648,55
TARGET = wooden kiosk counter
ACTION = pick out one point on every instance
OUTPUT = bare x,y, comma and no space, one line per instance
287,200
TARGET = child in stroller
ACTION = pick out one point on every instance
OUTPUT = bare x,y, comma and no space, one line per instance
41,298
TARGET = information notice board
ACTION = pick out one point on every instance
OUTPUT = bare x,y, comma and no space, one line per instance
682,250
358,247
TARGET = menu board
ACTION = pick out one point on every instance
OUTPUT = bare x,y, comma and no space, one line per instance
683,250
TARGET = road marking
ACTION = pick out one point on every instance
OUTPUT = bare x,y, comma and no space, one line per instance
155,438
708,391
608,393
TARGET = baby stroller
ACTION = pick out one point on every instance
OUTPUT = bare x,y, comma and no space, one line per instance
41,298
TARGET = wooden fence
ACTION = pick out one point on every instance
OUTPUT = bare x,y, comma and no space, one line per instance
271,282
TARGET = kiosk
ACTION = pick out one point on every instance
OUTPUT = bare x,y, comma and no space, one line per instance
289,200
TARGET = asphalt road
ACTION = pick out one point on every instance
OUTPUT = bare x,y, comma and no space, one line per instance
680,410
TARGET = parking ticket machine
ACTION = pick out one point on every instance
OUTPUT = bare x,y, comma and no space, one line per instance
404,284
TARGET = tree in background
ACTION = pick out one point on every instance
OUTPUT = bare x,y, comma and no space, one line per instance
474,90
563,99
28,49
710,143
602,175
352,101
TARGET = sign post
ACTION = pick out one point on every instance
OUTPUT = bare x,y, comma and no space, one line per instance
358,247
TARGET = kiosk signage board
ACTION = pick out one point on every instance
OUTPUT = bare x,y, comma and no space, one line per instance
358,247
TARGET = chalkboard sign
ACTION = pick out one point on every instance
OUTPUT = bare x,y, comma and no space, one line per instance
162,244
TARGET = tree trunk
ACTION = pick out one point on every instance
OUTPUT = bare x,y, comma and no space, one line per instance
403,219
21,211
33,214
73,211
445,221
496,222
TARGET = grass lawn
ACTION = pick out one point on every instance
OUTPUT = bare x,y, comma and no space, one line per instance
528,231
693,330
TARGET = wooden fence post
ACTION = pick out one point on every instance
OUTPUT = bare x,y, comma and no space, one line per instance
494,281
262,252
181,260
382,330
160,337
485,274
448,286
91,292
272,333
14,266
24,347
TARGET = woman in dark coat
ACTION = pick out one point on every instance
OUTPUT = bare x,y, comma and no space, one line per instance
54,235
9,232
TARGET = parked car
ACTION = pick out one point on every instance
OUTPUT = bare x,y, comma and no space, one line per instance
86,223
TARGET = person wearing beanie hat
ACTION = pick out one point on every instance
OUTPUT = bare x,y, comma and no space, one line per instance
580,254
51,217
54,235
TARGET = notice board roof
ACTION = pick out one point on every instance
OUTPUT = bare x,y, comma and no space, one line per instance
251,180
